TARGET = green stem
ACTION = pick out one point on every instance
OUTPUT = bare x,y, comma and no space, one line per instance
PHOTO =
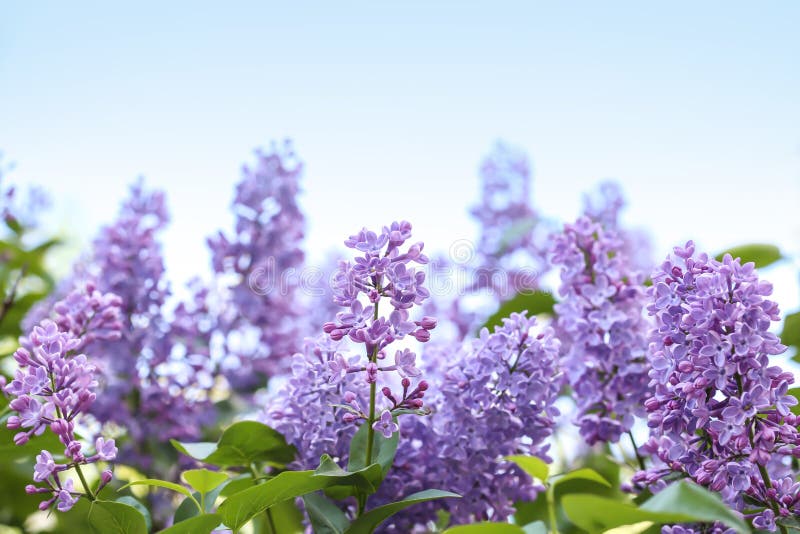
551,510
88,491
636,451
373,388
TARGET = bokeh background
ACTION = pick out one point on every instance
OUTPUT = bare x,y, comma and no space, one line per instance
691,107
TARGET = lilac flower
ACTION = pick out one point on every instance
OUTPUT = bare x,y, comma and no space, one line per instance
720,414
265,245
62,398
386,424
604,334
496,399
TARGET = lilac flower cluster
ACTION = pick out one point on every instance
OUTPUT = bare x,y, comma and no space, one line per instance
253,263
720,413
384,272
152,384
303,409
54,385
604,333
497,398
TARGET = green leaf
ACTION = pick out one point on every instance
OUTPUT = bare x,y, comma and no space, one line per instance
367,522
486,528
759,253
534,302
108,517
326,517
241,507
132,501
795,392
678,503
201,524
698,502
790,336
537,527
582,474
199,451
367,478
204,480
241,444
287,518
535,467
162,484
383,450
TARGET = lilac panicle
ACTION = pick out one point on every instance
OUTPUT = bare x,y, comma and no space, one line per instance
54,385
259,264
720,413
151,384
601,324
382,274
496,398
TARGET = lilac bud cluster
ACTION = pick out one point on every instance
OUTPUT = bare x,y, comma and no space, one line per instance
603,331
265,245
54,385
497,398
720,413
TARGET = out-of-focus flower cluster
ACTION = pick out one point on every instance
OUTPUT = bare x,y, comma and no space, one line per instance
720,413
259,268
55,384
602,328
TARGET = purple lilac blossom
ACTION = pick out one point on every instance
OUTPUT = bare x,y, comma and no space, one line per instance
720,413
383,274
259,265
604,333
150,382
496,398
54,386
303,409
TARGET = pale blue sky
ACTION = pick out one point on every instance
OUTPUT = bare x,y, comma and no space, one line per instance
692,107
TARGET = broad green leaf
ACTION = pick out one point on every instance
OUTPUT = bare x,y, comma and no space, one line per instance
535,303
367,478
201,524
108,517
790,336
761,254
199,451
162,484
204,480
696,501
287,518
535,467
188,508
680,502
383,450
367,522
132,501
486,528
325,517
241,444
241,507
581,474
537,527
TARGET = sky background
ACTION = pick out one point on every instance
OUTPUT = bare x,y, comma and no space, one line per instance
691,107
